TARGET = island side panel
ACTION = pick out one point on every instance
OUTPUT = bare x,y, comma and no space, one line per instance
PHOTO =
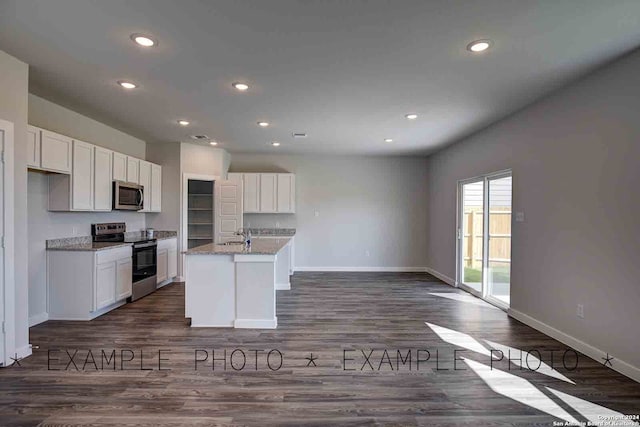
255,292
283,268
210,290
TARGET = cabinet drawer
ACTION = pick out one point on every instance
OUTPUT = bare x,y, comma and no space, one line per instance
109,255
168,244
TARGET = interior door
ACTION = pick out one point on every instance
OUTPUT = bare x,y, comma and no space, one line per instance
227,210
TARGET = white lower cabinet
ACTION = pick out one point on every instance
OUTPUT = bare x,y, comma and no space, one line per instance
124,274
167,259
172,263
105,284
86,284
163,261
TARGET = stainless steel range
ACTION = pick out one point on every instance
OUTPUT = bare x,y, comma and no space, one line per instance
145,255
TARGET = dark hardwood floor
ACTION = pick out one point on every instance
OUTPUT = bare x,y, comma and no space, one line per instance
332,315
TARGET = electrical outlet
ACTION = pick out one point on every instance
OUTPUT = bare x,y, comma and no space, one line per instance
317,214
580,311
519,216
277,224
367,253
74,231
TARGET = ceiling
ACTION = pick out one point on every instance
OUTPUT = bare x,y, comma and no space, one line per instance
344,72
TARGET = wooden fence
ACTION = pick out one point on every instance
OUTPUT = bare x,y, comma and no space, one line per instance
499,237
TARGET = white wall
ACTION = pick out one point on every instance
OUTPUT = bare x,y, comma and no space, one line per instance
575,160
14,81
203,159
48,115
374,204
44,225
177,159
167,155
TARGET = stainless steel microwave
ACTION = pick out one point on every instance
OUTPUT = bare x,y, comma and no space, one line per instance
128,196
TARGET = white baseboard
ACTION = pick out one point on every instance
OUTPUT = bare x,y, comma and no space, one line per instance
596,354
166,282
213,325
256,323
283,286
446,279
36,319
366,269
24,351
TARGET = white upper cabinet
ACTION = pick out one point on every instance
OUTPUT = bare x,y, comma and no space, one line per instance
102,185
286,193
133,170
251,184
268,192
156,188
55,152
119,167
33,146
82,176
145,181
84,173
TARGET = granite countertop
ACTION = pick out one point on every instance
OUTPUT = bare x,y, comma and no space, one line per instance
258,247
158,234
257,232
85,243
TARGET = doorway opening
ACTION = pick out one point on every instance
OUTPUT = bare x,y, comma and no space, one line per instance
484,237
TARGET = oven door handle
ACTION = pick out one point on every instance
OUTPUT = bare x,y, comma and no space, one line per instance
144,245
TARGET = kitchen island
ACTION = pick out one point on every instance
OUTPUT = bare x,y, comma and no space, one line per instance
232,285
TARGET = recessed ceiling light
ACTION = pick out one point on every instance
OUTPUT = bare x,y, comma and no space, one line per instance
479,46
213,143
411,116
127,85
143,40
241,86
275,143
184,122
263,124
388,140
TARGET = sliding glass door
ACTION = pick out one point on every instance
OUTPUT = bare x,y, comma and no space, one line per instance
499,239
484,237
471,235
